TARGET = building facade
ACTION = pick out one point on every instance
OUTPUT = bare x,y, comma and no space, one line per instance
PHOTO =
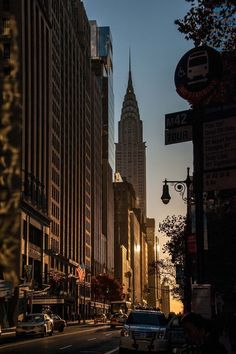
102,52
124,203
154,286
53,43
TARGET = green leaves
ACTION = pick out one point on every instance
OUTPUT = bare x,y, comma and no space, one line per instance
211,22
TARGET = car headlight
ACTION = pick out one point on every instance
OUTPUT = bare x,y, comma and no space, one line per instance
124,333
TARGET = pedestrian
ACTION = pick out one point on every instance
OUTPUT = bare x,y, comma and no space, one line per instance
201,336
79,318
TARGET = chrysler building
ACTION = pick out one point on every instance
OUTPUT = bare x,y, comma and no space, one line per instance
131,149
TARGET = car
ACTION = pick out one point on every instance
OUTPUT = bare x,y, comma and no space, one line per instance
58,323
100,317
118,320
144,330
35,324
175,334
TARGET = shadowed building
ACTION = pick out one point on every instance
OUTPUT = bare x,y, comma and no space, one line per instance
53,41
102,57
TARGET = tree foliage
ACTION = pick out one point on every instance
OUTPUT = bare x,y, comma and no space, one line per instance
105,287
167,272
173,227
212,22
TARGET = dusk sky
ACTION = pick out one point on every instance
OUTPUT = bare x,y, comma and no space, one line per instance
147,27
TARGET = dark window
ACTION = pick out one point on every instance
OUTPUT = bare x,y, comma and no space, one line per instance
7,70
35,236
6,50
6,5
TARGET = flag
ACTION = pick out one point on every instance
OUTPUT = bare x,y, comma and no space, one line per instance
81,272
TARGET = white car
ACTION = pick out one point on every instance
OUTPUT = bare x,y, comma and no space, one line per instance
144,330
35,324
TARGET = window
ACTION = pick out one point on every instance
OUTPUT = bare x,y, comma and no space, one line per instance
5,26
6,5
6,50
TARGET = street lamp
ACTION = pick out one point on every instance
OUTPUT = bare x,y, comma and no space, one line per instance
181,187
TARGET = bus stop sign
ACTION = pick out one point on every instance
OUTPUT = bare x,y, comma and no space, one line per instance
197,73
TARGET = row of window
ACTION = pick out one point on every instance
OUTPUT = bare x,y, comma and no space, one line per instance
55,211
55,177
55,228
55,194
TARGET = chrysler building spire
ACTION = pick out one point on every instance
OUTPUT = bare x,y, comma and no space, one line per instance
131,149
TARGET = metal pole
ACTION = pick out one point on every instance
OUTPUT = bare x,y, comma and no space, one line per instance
198,189
84,298
187,264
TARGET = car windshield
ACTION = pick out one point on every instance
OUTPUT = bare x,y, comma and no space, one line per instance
33,318
146,319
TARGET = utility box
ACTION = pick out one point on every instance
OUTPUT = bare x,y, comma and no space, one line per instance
202,300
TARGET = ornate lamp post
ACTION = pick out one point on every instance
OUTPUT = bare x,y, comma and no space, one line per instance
183,188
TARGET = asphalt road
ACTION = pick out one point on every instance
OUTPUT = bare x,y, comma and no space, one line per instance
75,340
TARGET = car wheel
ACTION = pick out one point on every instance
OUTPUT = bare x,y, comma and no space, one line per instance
51,331
61,329
43,334
112,326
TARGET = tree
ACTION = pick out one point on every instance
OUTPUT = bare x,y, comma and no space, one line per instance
173,227
167,272
210,22
106,287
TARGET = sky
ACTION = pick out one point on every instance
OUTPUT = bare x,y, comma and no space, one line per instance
147,27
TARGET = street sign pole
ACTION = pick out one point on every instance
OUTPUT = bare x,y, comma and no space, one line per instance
198,188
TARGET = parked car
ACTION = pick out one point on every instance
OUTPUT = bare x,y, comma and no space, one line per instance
118,320
35,324
144,330
175,334
100,317
58,323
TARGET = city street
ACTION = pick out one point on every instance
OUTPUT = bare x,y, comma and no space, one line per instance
75,340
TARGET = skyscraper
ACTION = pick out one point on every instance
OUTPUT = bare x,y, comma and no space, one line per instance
130,149
101,53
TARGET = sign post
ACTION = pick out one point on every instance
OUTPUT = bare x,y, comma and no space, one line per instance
196,77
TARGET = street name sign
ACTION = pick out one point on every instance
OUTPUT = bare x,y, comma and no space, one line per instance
178,127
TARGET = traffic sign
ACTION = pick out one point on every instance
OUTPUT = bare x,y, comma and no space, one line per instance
198,73
178,135
178,119
178,127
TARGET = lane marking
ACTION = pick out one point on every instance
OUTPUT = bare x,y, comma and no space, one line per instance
35,340
91,339
68,346
112,351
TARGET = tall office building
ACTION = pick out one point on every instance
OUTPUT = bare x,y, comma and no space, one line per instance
52,43
131,149
101,51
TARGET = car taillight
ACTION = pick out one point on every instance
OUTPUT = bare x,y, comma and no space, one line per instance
124,333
